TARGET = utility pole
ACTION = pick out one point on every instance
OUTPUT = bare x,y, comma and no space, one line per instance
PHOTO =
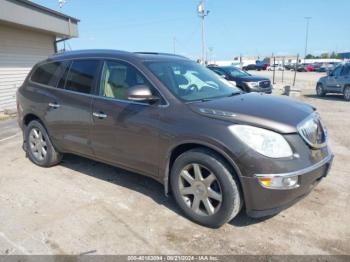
202,13
295,69
307,33
274,68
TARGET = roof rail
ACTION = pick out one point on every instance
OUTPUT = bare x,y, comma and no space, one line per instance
156,53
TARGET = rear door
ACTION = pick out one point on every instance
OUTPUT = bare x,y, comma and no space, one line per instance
69,114
125,133
332,82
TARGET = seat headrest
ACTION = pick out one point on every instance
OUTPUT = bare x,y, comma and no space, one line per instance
117,77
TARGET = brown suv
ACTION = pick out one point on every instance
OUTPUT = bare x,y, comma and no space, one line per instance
215,148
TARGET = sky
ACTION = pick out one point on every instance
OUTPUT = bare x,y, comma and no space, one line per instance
233,27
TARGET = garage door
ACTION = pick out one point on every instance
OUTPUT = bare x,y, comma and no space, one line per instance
20,49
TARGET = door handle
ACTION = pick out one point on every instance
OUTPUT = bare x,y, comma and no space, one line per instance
99,115
54,105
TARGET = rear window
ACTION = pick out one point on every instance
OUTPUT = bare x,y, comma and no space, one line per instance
46,74
81,76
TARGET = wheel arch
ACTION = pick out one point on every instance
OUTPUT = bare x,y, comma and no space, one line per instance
29,118
181,148
347,85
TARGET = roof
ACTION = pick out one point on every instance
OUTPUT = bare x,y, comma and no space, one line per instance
106,53
45,9
29,15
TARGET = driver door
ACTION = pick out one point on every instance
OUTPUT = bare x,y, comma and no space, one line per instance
125,133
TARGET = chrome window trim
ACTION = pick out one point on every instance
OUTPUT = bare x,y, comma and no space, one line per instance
95,96
315,146
303,171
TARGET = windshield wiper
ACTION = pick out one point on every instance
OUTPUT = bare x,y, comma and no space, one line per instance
217,97
235,93
200,100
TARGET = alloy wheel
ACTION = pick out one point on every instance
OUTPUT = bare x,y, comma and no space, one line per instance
37,144
319,90
200,189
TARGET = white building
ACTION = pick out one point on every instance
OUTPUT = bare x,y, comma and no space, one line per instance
28,34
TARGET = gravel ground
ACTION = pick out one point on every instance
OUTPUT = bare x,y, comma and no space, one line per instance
84,206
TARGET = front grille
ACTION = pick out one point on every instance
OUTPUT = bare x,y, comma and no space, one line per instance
313,132
264,84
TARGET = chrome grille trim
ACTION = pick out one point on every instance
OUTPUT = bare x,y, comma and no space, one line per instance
310,129
264,84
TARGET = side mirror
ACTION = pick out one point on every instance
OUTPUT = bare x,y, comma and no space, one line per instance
329,73
224,77
142,93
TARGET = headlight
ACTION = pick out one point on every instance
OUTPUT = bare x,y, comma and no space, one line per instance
252,84
233,82
265,142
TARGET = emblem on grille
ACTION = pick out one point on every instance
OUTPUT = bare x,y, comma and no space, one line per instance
313,132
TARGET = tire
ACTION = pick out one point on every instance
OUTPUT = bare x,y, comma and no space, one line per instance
320,90
347,93
219,200
37,143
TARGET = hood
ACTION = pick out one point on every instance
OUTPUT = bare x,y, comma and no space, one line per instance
250,78
323,78
267,111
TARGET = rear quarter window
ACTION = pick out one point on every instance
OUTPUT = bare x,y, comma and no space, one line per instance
46,74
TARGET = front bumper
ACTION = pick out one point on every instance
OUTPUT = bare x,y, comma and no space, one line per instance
265,202
266,90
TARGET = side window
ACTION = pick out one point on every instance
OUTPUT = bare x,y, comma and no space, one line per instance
346,70
118,78
337,71
219,72
46,74
81,75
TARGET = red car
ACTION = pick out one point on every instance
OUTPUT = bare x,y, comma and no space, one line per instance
309,68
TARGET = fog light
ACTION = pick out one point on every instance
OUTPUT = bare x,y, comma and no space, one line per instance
290,181
279,182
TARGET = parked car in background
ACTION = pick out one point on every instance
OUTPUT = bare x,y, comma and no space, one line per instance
254,67
275,67
289,66
337,81
309,68
325,67
243,80
263,65
304,68
213,147
317,67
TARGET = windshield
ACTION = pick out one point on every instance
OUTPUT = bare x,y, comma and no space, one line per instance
190,81
235,72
